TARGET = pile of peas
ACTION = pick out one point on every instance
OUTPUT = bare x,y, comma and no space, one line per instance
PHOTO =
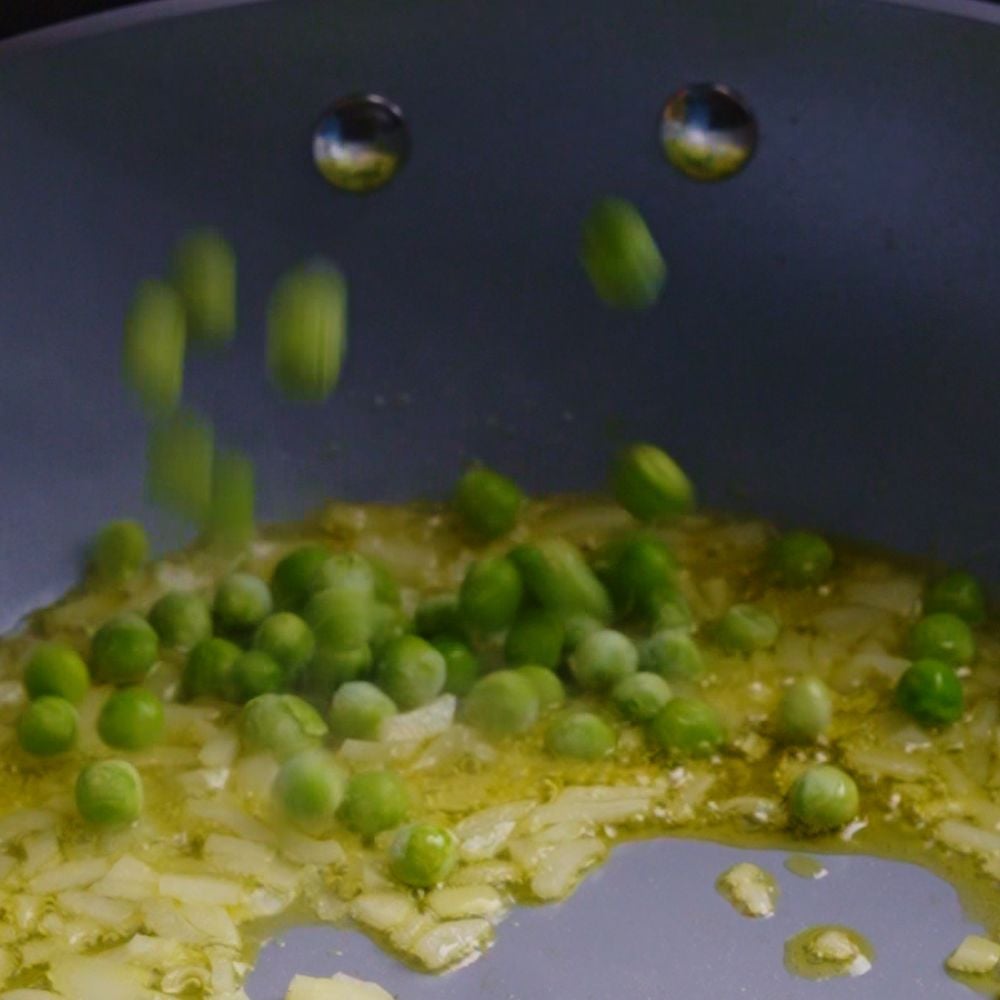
323,652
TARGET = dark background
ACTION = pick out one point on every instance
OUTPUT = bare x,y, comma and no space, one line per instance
25,15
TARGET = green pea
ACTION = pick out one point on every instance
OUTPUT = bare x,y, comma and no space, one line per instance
640,696
537,636
503,703
329,668
124,649
119,551
942,636
131,719
230,520
672,654
208,671
155,338
688,727
204,273
491,594
242,601
255,673
375,801
345,571
340,617
358,711
439,615
310,787
745,628
805,711
57,669
307,332
823,798
181,620
422,855
280,723
637,571
47,726
649,484
109,793
603,659
411,672
288,640
931,692
620,256
487,502
549,689
669,609
582,735
578,627
801,559
386,588
557,576
461,666
959,594
388,622
292,579
180,459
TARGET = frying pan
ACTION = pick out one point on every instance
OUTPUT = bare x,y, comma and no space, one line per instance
826,352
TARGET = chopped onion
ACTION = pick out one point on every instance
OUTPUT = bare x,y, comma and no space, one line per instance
450,942
420,724
452,902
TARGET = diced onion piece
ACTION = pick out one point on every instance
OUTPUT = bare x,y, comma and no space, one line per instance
128,878
40,851
899,595
30,995
850,623
235,854
201,889
750,889
975,955
383,911
451,942
220,751
253,777
98,978
310,851
881,762
24,821
340,987
71,875
595,805
833,946
222,811
185,979
489,872
482,834
455,743
967,839
164,919
454,902
757,809
420,724
114,913
213,923
561,868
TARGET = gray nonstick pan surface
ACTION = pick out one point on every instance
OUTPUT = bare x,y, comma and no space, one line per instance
826,352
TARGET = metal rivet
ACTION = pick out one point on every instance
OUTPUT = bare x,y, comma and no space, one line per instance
708,132
360,143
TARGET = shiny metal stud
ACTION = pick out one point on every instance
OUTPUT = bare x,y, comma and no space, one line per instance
360,143
708,132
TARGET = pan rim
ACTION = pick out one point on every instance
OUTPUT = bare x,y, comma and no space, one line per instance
120,18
